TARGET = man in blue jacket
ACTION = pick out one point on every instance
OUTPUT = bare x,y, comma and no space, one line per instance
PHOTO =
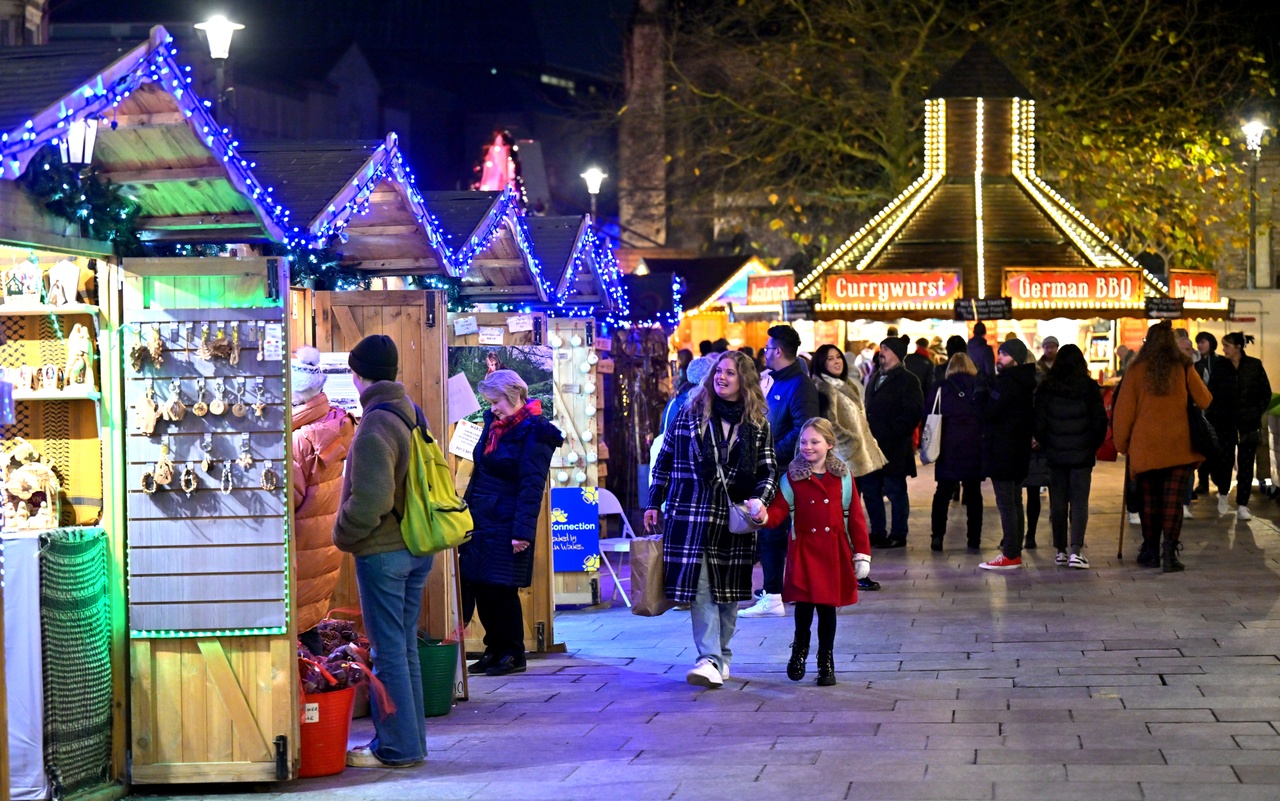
792,399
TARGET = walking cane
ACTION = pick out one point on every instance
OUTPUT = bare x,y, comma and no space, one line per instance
1124,509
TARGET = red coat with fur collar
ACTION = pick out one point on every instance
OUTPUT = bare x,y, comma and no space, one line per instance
819,553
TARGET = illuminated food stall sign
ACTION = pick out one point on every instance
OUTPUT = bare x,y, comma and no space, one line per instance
892,288
771,289
1057,287
1199,286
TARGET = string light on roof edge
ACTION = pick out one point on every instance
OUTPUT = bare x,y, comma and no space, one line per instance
977,197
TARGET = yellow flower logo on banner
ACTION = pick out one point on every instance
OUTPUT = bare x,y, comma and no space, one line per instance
558,516
591,563
591,495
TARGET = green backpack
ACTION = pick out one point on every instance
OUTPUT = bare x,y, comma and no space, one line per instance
435,519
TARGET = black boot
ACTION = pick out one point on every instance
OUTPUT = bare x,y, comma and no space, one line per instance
1149,553
1170,563
826,667
935,542
799,655
1029,543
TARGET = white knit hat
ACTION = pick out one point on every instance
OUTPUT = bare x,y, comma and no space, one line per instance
308,380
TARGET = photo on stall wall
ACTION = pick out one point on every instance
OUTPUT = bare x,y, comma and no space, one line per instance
533,363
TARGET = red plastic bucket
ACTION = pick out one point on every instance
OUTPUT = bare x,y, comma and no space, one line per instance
326,721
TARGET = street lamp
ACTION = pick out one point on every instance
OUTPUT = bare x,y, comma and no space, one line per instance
594,176
218,31
1253,131
76,145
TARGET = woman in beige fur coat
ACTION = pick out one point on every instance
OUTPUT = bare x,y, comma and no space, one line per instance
840,401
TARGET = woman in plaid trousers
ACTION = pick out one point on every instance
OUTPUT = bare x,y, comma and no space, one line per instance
706,565
1151,426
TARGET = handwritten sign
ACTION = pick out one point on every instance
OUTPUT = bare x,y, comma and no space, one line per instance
575,529
490,335
465,325
520,322
462,399
464,440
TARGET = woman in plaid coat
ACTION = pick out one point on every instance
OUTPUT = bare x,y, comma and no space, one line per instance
705,564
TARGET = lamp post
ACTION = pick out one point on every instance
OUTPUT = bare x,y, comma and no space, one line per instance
594,176
218,31
1253,131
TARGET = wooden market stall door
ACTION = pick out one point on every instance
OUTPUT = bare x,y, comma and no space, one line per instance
415,321
212,642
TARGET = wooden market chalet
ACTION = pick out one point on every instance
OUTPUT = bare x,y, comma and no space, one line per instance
980,222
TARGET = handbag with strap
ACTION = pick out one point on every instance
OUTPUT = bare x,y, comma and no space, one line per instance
1204,439
931,435
740,521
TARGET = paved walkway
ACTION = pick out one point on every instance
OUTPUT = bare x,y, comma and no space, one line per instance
1113,683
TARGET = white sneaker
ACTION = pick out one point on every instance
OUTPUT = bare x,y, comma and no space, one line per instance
1224,507
1061,558
1242,513
769,605
704,674
724,671
1186,511
1134,519
1078,562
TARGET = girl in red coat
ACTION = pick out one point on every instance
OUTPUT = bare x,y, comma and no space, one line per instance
825,557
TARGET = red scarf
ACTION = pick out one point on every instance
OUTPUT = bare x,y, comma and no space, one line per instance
531,409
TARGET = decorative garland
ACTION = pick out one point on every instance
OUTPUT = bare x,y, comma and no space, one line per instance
97,205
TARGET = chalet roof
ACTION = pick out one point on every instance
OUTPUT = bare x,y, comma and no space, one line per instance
306,176
979,73
460,214
554,240
162,143
702,276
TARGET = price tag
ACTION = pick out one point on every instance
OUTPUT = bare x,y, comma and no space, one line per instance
520,322
311,713
465,325
273,343
490,335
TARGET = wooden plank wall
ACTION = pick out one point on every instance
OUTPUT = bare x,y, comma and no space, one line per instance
203,708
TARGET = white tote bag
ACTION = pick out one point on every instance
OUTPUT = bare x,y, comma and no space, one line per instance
931,436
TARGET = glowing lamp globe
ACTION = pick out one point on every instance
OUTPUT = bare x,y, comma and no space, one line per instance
1253,132
77,145
594,177
219,30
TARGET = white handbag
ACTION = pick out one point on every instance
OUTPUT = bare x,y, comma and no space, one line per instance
931,436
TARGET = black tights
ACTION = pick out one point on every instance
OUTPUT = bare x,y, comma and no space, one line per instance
1033,510
826,624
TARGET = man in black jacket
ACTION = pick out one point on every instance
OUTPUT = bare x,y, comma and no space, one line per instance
1240,434
792,399
919,363
1215,377
1008,425
895,406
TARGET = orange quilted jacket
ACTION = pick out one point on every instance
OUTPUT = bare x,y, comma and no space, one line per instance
321,438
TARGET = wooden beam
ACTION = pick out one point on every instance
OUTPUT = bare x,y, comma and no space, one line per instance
149,120
211,233
383,230
229,220
394,265
206,173
493,263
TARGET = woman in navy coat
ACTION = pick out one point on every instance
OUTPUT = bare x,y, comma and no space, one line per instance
512,460
960,459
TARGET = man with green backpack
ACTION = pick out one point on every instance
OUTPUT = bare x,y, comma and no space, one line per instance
383,486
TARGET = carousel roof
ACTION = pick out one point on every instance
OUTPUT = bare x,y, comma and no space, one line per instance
980,207
155,136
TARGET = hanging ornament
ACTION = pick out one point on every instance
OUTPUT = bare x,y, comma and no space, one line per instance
189,480
591,457
591,389
555,341
575,341
562,477
270,478
572,458
590,411
587,436
579,477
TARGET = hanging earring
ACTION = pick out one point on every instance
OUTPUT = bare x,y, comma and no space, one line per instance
189,480
270,478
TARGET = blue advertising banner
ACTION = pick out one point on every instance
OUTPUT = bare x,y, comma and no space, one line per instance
575,529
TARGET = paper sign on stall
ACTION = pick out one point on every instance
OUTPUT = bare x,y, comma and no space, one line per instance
339,386
520,322
465,325
465,437
490,335
462,400
273,344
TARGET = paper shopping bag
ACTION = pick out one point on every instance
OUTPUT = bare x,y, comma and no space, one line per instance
648,593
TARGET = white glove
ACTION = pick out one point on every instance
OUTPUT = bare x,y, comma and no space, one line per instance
861,565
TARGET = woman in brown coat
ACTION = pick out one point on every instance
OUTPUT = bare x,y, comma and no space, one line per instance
321,438
1150,426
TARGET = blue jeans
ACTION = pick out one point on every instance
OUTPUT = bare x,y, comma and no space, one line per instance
713,623
875,487
391,586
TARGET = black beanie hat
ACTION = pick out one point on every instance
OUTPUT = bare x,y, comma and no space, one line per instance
375,357
956,344
896,344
